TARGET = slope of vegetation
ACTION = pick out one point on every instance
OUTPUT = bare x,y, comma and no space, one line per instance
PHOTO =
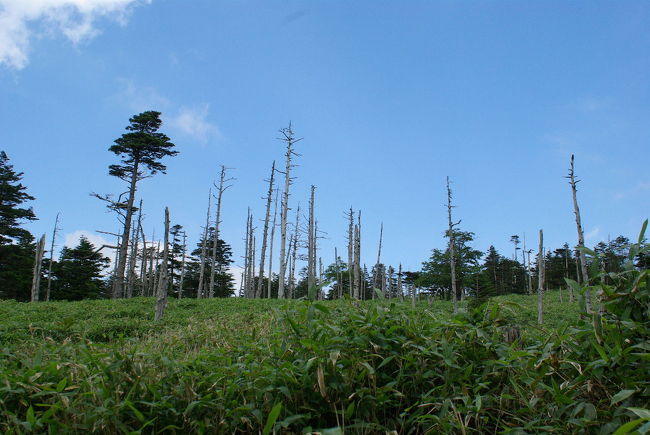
241,365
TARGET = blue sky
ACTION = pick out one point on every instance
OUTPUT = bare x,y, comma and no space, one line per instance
390,98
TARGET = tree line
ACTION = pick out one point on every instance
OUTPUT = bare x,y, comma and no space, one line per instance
144,266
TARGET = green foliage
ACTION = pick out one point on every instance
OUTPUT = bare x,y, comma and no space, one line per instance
78,273
16,243
143,147
249,366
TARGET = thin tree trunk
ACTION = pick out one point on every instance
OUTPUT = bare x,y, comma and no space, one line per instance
118,282
133,258
290,141
247,251
400,291
338,274
143,265
375,278
581,236
350,250
293,252
161,301
200,291
311,257
452,256
221,189
269,197
270,280
38,264
357,260
180,285
540,279
49,269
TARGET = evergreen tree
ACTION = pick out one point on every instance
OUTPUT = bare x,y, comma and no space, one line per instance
140,150
16,243
435,275
78,273
223,281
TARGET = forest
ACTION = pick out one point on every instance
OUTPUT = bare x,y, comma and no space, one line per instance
153,336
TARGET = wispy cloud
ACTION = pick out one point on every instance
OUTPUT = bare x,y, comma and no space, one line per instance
589,104
593,234
193,122
642,187
20,20
139,98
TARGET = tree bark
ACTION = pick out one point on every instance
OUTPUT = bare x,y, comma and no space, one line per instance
221,189
311,257
269,197
204,245
581,236
49,269
270,281
38,264
452,256
290,141
118,282
350,250
540,279
161,301
182,281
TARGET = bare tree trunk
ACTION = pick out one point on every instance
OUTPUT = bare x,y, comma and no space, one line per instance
452,255
143,265
581,236
540,279
269,197
292,252
320,279
181,283
49,269
338,274
375,278
204,246
221,189
38,264
156,271
290,141
133,258
350,250
357,260
247,252
270,280
118,282
252,268
311,258
400,290
161,301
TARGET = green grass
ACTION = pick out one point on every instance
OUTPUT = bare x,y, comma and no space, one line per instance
249,366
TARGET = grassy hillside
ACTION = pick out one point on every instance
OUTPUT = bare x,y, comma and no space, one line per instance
235,365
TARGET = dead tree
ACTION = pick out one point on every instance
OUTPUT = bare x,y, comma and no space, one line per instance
350,249
220,189
180,284
376,274
38,264
161,297
260,283
311,242
581,237
339,275
134,254
290,141
49,268
400,290
452,243
247,251
200,292
357,260
292,252
143,265
540,279
275,213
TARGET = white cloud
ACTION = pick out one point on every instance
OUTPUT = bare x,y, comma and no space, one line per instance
236,272
193,123
591,235
20,20
139,98
72,240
